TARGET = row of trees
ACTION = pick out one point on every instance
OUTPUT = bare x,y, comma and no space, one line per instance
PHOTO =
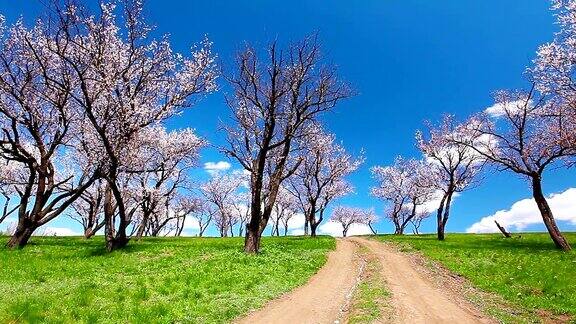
84,100
524,132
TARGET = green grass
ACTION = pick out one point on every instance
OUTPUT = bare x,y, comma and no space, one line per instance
371,300
198,280
527,271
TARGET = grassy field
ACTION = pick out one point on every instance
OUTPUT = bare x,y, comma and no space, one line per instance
156,280
526,270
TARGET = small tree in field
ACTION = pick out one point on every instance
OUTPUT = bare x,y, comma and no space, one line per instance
320,178
203,214
276,100
160,178
348,216
240,208
11,176
88,209
452,167
418,219
405,187
521,136
221,191
284,209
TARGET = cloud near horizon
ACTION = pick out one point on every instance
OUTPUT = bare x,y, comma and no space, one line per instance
524,213
57,231
335,229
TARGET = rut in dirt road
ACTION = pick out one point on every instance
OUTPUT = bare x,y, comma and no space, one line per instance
415,298
322,299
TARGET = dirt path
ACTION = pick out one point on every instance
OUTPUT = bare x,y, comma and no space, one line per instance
415,298
322,298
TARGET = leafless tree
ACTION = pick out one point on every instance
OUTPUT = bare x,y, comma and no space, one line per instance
275,101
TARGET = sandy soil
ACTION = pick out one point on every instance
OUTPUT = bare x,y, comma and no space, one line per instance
322,299
415,297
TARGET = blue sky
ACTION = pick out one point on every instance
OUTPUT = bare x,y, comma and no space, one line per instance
409,60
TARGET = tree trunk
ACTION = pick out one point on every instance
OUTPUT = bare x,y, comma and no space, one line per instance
439,219
372,228
142,226
503,230
344,232
89,232
547,216
276,225
109,211
181,227
252,241
22,234
313,227
444,219
223,231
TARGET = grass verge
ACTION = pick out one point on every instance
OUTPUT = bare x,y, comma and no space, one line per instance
526,271
371,299
163,280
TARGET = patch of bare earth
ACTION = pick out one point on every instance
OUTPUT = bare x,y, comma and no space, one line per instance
324,299
485,302
416,295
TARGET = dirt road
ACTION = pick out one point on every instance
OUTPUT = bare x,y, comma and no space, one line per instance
322,298
415,298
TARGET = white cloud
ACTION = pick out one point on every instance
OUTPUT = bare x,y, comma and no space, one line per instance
296,222
335,229
57,231
524,213
298,231
191,223
431,206
215,167
499,109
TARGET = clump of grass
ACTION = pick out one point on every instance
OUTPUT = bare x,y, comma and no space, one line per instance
371,300
65,279
526,270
